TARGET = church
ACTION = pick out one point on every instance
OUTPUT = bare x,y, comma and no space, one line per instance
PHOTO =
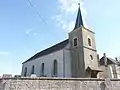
75,57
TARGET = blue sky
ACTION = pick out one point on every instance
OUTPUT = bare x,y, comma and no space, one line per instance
23,33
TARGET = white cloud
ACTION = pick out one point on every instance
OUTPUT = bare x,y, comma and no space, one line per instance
4,53
30,32
66,9
68,6
34,34
64,26
71,25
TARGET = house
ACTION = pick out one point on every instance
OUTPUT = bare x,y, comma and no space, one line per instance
110,67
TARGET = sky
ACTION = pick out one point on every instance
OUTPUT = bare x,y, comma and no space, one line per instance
23,33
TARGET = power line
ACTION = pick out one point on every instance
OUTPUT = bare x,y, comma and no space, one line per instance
36,11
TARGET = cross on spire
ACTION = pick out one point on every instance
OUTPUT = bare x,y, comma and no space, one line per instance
79,3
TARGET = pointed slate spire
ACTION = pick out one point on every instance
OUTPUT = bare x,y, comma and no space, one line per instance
79,21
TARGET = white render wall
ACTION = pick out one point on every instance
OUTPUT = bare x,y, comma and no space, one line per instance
118,71
109,71
63,71
48,64
67,60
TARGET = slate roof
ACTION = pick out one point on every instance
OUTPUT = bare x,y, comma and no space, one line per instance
94,69
49,50
109,61
79,21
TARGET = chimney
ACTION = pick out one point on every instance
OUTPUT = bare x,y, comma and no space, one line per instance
105,59
116,58
106,74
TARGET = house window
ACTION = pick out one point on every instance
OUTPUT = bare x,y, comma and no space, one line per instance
55,68
42,69
91,57
32,72
25,72
75,42
89,42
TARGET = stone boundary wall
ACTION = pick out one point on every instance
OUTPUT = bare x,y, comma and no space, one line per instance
59,84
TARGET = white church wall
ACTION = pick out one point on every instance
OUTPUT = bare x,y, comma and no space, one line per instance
88,61
67,60
48,62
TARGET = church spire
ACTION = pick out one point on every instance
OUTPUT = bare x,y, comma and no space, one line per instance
79,21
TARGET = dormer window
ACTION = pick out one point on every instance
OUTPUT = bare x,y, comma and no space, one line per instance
89,42
75,42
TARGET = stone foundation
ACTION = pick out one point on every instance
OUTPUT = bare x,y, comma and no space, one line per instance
58,84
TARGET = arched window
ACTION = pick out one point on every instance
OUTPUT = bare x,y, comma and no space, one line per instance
32,72
42,69
89,42
91,57
75,41
55,68
25,72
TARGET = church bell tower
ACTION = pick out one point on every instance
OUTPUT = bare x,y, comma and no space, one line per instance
84,61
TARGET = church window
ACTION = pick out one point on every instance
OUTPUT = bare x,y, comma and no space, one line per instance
25,72
55,68
42,70
89,42
91,57
33,71
75,42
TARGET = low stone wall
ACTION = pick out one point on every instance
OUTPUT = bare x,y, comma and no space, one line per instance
58,84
